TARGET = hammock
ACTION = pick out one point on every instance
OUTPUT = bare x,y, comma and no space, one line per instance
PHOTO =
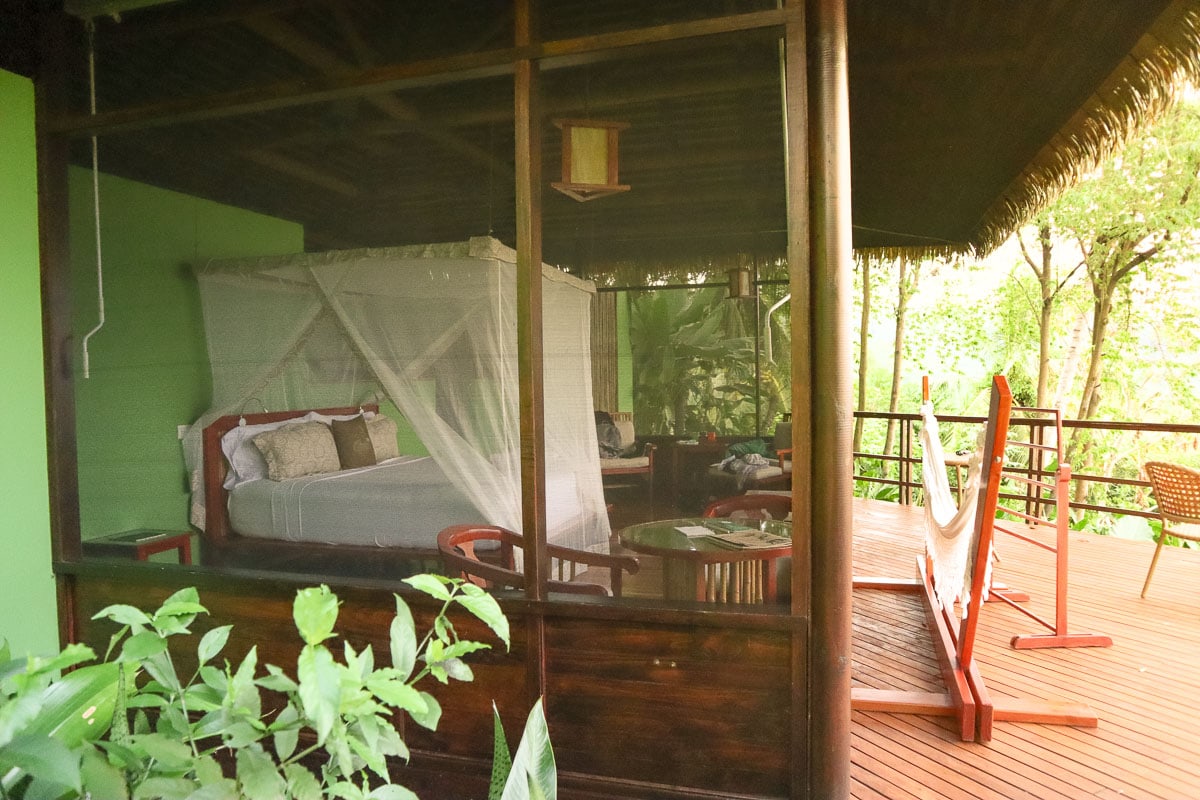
949,527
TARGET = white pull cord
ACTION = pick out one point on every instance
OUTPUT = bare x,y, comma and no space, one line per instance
91,28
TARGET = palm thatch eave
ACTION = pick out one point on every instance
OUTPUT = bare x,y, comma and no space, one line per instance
1146,84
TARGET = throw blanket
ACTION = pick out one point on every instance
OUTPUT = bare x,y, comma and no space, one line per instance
744,467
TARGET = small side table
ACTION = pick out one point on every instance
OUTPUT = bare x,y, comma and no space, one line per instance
138,545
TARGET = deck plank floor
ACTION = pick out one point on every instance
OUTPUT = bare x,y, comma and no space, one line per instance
1145,689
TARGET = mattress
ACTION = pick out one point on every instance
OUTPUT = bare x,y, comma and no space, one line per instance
401,502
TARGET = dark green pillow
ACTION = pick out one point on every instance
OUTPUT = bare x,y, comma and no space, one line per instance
353,443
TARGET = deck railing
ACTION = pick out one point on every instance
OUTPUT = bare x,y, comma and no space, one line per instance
901,469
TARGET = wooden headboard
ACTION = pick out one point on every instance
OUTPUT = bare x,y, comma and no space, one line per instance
217,528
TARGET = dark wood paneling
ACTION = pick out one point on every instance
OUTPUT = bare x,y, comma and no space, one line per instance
643,702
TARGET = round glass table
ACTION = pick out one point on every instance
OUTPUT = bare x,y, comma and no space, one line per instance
714,560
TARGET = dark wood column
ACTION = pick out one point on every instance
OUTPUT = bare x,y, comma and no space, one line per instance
528,137
54,52
830,420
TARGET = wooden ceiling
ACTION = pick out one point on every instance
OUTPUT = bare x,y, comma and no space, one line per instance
376,122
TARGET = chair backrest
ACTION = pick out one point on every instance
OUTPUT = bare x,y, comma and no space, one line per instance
496,567
751,506
1177,490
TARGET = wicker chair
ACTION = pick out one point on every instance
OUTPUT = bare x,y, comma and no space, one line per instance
456,545
1177,490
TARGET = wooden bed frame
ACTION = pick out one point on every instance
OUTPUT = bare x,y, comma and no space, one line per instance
223,546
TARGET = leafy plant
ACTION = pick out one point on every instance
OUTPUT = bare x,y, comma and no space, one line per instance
530,774
325,733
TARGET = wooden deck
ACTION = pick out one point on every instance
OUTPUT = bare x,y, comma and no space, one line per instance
1145,689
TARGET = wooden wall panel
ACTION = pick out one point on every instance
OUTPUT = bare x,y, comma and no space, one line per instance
647,703
702,707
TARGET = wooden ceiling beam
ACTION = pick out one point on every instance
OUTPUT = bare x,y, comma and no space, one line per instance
290,40
301,171
396,77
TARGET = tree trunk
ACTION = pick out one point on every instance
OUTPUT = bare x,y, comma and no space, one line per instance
863,325
1046,279
902,295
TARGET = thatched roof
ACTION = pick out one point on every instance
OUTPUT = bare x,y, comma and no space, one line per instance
380,123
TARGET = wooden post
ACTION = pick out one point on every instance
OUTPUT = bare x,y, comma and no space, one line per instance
54,247
795,92
528,138
830,421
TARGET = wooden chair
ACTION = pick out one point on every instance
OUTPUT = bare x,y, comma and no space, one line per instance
456,545
754,505
1177,490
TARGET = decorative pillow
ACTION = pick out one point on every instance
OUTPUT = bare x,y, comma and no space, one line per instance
354,448
298,450
246,462
383,432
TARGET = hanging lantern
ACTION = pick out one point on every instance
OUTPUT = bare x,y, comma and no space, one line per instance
589,158
740,284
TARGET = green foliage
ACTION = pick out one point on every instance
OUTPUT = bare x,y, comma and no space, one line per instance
230,730
531,774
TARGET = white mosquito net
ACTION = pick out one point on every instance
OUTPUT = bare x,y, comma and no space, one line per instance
949,527
431,328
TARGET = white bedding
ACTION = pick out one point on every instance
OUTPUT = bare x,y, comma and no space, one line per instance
401,502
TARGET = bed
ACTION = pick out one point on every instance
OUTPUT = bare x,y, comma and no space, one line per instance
395,507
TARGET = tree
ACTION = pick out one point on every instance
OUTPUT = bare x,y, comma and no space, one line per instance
1051,286
906,287
1138,209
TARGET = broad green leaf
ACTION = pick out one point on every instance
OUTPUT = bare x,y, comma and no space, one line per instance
286,731
169,751
534,775
320,690
212,643
142,646
208,770
187,594
70,655
214,677
372,758
432,715
258,777
124,615
403,639
302,784
277,682
219,789
315,612
179,608
242,689
101,779
391,791
399,694
501,758
159,788
486,609
346,791
161,669
457,669
432,585
45,759
390,743
80,705
242,734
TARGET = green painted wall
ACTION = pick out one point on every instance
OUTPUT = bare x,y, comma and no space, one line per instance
27,608
149,365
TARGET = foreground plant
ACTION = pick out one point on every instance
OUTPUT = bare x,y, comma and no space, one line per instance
326,732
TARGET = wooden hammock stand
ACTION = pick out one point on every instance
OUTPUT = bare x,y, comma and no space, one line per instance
1040,493
966,697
